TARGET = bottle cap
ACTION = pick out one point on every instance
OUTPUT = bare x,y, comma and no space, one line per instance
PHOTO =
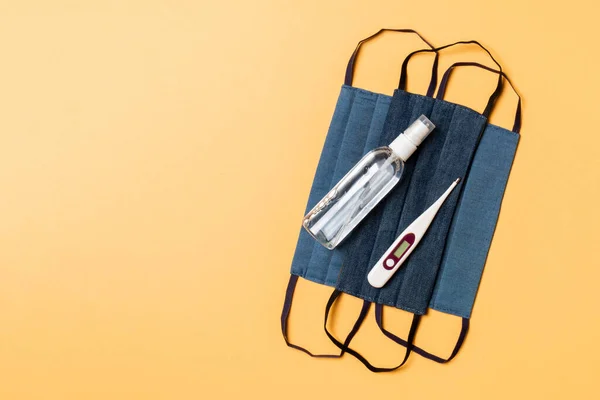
406,144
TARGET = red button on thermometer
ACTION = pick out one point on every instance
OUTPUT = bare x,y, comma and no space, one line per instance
405,244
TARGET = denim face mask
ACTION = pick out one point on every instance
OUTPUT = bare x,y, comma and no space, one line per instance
355,129
473,224
471,230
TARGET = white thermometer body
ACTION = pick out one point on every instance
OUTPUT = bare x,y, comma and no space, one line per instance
404,245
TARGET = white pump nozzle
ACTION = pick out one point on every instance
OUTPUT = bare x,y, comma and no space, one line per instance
406,144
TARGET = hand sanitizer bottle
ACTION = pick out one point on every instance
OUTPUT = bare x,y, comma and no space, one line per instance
355,195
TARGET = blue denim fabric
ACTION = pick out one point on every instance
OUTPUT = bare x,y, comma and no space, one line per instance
444,156
477,210
474,223
355,129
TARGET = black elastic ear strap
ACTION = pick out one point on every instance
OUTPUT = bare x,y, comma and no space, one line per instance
345,346
434,75
285,313
444,83
493,97
461,338
350,68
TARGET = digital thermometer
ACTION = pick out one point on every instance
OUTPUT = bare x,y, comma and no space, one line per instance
399,251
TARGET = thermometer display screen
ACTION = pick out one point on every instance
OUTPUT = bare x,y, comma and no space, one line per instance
401,248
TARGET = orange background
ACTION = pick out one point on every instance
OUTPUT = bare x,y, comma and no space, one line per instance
155,161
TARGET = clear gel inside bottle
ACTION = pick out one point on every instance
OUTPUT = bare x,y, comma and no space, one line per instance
357,193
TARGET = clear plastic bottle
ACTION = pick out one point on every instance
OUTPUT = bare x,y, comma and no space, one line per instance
357,193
